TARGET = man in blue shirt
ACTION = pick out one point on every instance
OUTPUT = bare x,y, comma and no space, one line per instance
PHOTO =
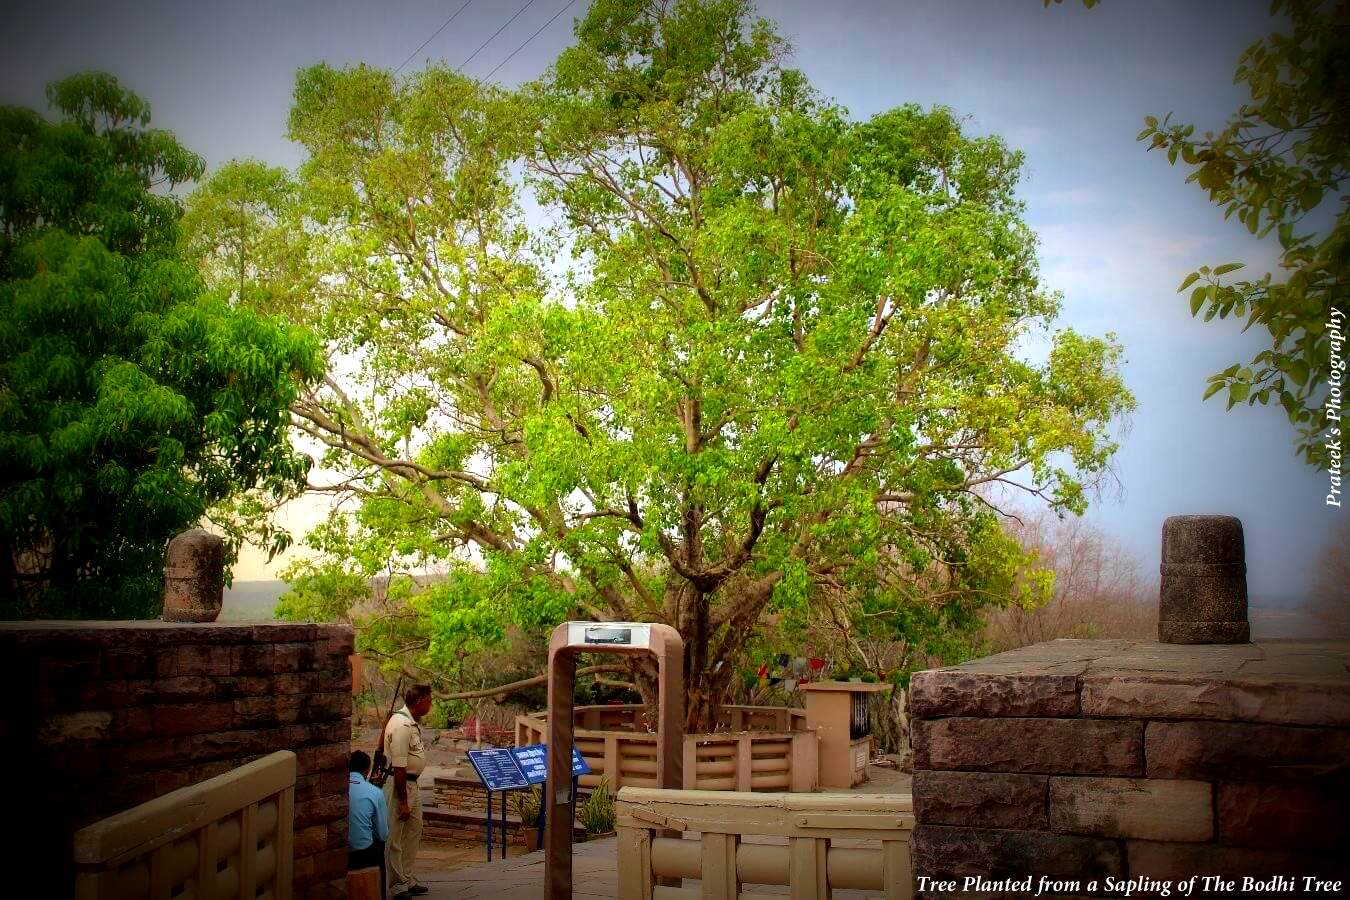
367,819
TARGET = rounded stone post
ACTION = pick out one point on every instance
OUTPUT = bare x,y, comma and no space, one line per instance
1203,595
194,577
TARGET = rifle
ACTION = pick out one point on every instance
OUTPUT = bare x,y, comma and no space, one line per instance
380,769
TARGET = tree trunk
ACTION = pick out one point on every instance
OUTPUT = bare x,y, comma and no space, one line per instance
700,712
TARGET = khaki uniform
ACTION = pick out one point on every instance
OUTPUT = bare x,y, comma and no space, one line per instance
403,745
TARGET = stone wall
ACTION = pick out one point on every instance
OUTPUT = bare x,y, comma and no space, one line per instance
1093,759
104,716
471,827
466,794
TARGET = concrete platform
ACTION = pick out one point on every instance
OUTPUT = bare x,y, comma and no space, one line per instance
594,873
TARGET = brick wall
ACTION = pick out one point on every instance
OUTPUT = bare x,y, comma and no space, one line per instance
1085,760
466,794
471,827
104,716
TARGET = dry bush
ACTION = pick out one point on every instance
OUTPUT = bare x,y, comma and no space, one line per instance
1098,593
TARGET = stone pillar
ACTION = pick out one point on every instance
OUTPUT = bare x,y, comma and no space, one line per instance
1202,598
194,577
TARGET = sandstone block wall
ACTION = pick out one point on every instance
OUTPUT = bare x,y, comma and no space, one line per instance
103,716
471,827
1092,759
466,794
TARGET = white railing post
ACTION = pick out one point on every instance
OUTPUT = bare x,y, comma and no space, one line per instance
724,819
896,870
718,871
612,761
745,762
808,872
635,863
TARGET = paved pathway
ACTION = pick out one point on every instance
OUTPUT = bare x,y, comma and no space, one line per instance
594,865
594,876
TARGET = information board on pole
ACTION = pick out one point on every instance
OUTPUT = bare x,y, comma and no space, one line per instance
498,769
533,762
579,766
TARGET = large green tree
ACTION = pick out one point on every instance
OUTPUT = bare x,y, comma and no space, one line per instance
1280,166
743,356
131,401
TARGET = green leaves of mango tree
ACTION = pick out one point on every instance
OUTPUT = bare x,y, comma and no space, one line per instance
131,400
1275,165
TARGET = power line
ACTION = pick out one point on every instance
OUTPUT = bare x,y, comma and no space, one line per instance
433,36
488,76
494,34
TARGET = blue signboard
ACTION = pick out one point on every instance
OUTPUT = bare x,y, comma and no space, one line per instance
498,769
533,762
579,766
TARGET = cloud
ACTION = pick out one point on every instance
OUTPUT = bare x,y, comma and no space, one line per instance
1124,272
1073,197
1116,267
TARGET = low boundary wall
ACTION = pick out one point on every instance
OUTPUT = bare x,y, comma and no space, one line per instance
110,715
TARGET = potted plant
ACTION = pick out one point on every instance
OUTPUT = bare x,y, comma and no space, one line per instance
526,806
597,813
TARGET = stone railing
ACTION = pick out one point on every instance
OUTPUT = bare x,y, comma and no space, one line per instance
752,761
625,717
229,836
744,761
814,844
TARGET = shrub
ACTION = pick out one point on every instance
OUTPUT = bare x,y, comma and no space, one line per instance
525,804
597,813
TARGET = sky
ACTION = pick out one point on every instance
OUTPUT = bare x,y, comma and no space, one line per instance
1119,229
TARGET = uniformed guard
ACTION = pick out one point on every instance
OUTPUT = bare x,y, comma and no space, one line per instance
407,759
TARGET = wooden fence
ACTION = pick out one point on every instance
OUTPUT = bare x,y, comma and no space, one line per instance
796,840
743,761
228,837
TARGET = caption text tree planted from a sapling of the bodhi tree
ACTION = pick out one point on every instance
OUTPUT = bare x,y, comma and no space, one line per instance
1037,886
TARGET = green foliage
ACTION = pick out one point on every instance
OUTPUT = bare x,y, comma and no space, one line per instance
242,229
1279,167
525,804
449,712
320,593
131,401
768,359
597,814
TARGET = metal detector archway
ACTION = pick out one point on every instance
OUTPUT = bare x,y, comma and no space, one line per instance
628,638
